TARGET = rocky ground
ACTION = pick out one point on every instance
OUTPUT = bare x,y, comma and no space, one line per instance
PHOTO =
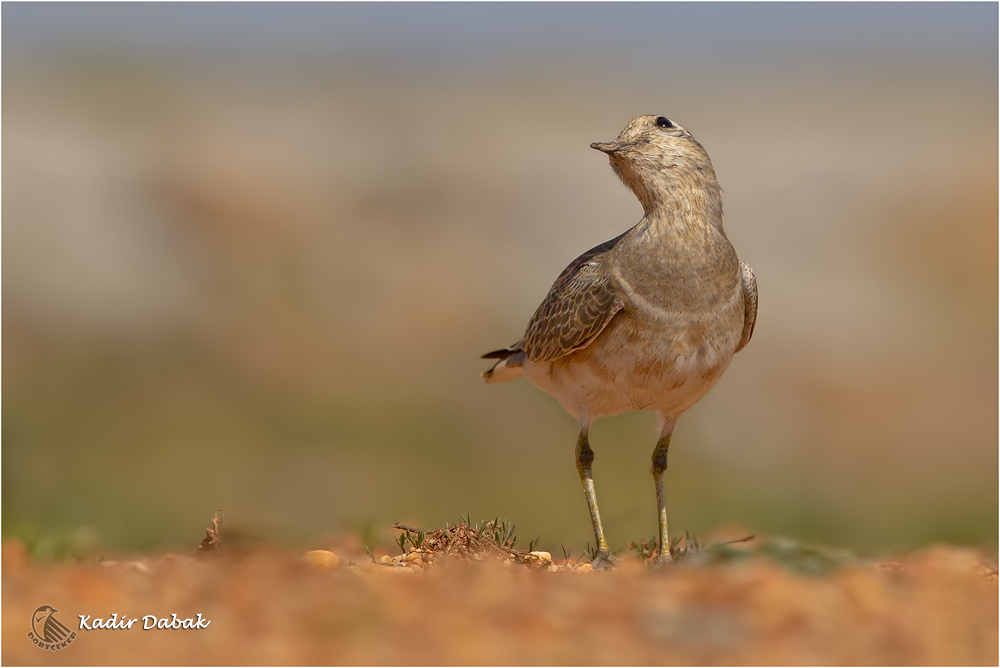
463,595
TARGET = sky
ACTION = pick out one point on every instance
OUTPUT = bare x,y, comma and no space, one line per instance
689,32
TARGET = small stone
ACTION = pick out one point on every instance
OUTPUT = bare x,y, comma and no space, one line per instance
139,567
539,557
585,568
414,556
553,568
322,559
385,559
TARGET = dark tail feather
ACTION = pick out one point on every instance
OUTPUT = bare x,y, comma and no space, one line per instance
509,366
504,353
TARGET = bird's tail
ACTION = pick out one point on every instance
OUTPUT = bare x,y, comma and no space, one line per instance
510,365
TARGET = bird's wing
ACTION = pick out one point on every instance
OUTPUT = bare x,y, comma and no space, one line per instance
749,304
578,307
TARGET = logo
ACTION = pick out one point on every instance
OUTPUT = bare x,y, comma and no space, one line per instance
47,632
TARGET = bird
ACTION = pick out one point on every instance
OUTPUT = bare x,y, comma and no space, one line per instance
648,321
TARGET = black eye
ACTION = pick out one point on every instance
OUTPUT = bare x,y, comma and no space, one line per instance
664,122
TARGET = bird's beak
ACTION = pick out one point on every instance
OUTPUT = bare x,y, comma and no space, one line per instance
610,147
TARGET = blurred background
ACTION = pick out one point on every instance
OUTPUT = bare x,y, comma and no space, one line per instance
252,253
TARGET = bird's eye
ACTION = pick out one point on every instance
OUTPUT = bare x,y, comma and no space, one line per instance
664,122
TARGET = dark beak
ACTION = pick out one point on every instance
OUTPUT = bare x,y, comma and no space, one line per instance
610,147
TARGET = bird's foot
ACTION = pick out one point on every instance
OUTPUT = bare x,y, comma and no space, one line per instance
602,560
661,561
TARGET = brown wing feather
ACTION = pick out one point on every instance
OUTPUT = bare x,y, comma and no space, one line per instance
578,307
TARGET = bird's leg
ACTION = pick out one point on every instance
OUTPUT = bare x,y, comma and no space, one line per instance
659,466
584,460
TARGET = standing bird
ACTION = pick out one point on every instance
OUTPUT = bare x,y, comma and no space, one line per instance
648,320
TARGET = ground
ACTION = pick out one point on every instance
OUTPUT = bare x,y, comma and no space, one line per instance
461,595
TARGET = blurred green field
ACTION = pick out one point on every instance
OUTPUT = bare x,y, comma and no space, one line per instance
262,284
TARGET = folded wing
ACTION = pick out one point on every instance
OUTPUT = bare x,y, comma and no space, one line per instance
579,306
749,304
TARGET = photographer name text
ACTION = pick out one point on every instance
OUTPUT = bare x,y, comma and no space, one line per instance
148,622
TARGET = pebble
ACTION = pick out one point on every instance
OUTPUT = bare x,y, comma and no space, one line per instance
322,559
139,567
402,569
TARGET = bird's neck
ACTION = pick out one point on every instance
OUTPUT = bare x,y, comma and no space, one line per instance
683,208
684,193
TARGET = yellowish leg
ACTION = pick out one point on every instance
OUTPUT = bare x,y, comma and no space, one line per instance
659,467
584,460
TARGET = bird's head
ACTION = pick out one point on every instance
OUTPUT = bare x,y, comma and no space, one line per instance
658,160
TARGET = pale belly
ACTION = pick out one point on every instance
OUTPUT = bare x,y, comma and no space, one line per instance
639,364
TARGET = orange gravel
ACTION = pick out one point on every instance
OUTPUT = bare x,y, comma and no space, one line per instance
937,606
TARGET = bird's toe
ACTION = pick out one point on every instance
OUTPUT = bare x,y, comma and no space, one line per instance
662,561
603,560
